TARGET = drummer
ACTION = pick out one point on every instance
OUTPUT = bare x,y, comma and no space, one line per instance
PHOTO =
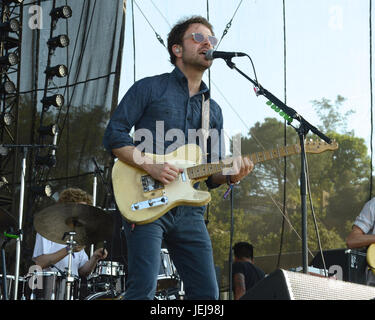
48,254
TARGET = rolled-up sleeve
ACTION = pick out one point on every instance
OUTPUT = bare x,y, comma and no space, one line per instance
126,115
365,220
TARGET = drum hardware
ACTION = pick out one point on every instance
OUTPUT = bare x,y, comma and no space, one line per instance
108,276
25,148
10,280
50,285
106,295
181,292
69,277
168,277
7,222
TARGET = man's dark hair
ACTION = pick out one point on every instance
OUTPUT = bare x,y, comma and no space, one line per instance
243,250
177,33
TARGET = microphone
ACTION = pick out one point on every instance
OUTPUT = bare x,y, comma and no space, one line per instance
212,54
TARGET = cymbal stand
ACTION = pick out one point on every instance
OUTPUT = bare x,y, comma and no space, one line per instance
3,263
69,277
94,192
24,148
8,236
181,292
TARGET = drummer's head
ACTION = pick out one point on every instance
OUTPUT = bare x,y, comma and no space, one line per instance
75,195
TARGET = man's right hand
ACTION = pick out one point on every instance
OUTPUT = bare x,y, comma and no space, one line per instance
165,172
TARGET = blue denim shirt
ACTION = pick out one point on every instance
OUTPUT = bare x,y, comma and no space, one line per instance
163,98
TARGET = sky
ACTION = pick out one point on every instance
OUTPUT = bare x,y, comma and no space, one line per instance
327,54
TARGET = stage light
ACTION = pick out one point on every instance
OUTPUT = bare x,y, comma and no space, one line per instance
10,43
9,60
12,1
50,130
7,119
43,191
57,71
3,182
10,26
57,100
63,12
60,41
8,87
48,160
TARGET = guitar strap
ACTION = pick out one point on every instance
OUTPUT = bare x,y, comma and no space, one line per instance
205,121
205,132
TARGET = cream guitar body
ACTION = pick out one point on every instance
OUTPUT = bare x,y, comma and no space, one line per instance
141,199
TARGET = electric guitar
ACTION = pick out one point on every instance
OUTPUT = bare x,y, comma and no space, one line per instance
370,257
142,199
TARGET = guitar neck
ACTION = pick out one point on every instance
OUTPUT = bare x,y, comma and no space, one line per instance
203,171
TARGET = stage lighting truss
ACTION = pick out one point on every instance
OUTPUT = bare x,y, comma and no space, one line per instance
56,100
49,160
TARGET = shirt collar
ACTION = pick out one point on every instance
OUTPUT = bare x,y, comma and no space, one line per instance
183,81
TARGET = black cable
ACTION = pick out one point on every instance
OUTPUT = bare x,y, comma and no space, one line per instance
229,24
285,143
134,58
231,241
371,95
314,216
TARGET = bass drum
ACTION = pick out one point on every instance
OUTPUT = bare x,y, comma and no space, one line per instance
106,295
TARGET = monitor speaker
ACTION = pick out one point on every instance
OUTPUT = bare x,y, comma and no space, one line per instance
288,285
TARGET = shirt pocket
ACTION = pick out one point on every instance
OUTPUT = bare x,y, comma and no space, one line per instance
173,116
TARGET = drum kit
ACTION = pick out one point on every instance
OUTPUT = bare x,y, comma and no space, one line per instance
79,224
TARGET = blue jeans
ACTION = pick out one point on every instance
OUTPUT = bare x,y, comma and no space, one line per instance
185,234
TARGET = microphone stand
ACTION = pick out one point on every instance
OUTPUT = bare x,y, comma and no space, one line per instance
302,131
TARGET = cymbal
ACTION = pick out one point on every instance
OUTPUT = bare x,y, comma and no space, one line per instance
91,224
6,221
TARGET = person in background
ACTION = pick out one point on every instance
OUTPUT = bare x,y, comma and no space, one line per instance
244,272
363,234
48,253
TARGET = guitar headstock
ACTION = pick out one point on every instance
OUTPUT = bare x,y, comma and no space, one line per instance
312,146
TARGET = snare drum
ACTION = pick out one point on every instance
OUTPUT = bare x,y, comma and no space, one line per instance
50,285
109,268
168,277
108,275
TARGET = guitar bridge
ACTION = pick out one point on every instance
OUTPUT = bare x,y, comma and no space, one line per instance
149,203
150,184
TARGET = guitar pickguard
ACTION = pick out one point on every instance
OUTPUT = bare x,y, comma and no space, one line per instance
150,184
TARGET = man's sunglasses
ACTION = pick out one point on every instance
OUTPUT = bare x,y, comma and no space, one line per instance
198,37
